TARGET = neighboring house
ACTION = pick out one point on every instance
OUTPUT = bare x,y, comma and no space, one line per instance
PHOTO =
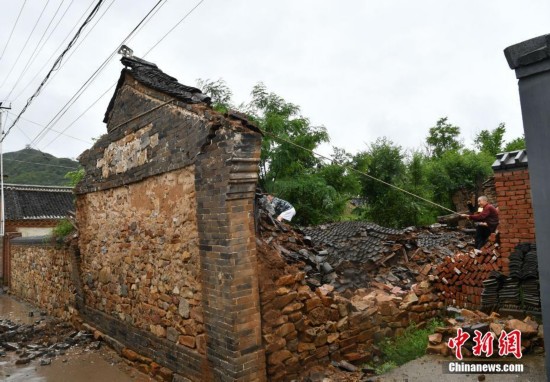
35,210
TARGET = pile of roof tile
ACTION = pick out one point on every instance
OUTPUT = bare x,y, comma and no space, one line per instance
355,254
520,290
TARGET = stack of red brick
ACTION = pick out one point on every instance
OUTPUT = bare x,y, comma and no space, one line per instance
459,278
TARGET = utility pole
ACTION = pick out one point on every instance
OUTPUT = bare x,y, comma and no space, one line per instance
3,209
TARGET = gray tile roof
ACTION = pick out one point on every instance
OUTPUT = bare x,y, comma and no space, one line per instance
26,202
509,160
149,74
354,240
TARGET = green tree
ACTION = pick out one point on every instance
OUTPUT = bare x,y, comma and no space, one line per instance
315,201
443,137
383,162
455,171
491,142
278,118
219,93
337,175
515,144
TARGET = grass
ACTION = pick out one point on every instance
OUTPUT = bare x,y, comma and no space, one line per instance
410,345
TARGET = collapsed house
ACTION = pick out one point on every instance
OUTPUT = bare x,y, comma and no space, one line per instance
177,264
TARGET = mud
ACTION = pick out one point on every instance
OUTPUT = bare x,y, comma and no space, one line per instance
79,363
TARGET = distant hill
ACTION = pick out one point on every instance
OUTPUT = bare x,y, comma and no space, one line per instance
29,166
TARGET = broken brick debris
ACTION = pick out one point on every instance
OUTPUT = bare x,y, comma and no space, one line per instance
313,315
469,321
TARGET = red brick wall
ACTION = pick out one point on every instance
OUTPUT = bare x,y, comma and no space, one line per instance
515,209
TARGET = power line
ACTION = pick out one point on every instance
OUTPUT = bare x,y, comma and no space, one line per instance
79,92
34,54
12,30
25,44
85,36
174,27
54,67
103,94
55,131
59,47
357,171
77,118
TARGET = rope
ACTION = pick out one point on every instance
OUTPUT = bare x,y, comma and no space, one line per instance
359,172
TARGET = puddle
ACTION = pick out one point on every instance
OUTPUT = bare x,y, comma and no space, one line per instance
78,364
17,311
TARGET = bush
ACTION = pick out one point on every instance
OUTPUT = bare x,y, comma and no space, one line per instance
411,345
63,228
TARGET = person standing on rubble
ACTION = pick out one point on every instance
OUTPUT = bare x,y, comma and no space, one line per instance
486,219
283,209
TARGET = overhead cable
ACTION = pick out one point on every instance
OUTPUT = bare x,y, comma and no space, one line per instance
34,53
12,30
113,85
79,92
54,67
55,131
357,171
174,27
25,44
59,47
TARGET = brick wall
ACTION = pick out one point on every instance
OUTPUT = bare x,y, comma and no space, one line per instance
167,237
517,224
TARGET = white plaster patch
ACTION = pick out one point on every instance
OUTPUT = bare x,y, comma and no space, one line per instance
127,153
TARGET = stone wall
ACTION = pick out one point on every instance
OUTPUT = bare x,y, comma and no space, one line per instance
517,223
167,239
140,257
41,273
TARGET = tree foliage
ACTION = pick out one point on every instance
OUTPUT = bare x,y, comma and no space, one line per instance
279,118
455,171
491,142
320,191
515,144
443,137
219,93
29,166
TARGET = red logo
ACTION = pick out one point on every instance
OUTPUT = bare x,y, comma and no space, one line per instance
458,341
508,343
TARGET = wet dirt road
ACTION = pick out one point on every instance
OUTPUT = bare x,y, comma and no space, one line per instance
76,364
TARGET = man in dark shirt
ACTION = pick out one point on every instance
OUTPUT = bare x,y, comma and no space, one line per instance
486,219
283,209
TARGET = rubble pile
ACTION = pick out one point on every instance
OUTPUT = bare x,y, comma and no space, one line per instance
474,320
354,254
306,321
44,340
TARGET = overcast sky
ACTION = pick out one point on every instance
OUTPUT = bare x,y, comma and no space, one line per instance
363,69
